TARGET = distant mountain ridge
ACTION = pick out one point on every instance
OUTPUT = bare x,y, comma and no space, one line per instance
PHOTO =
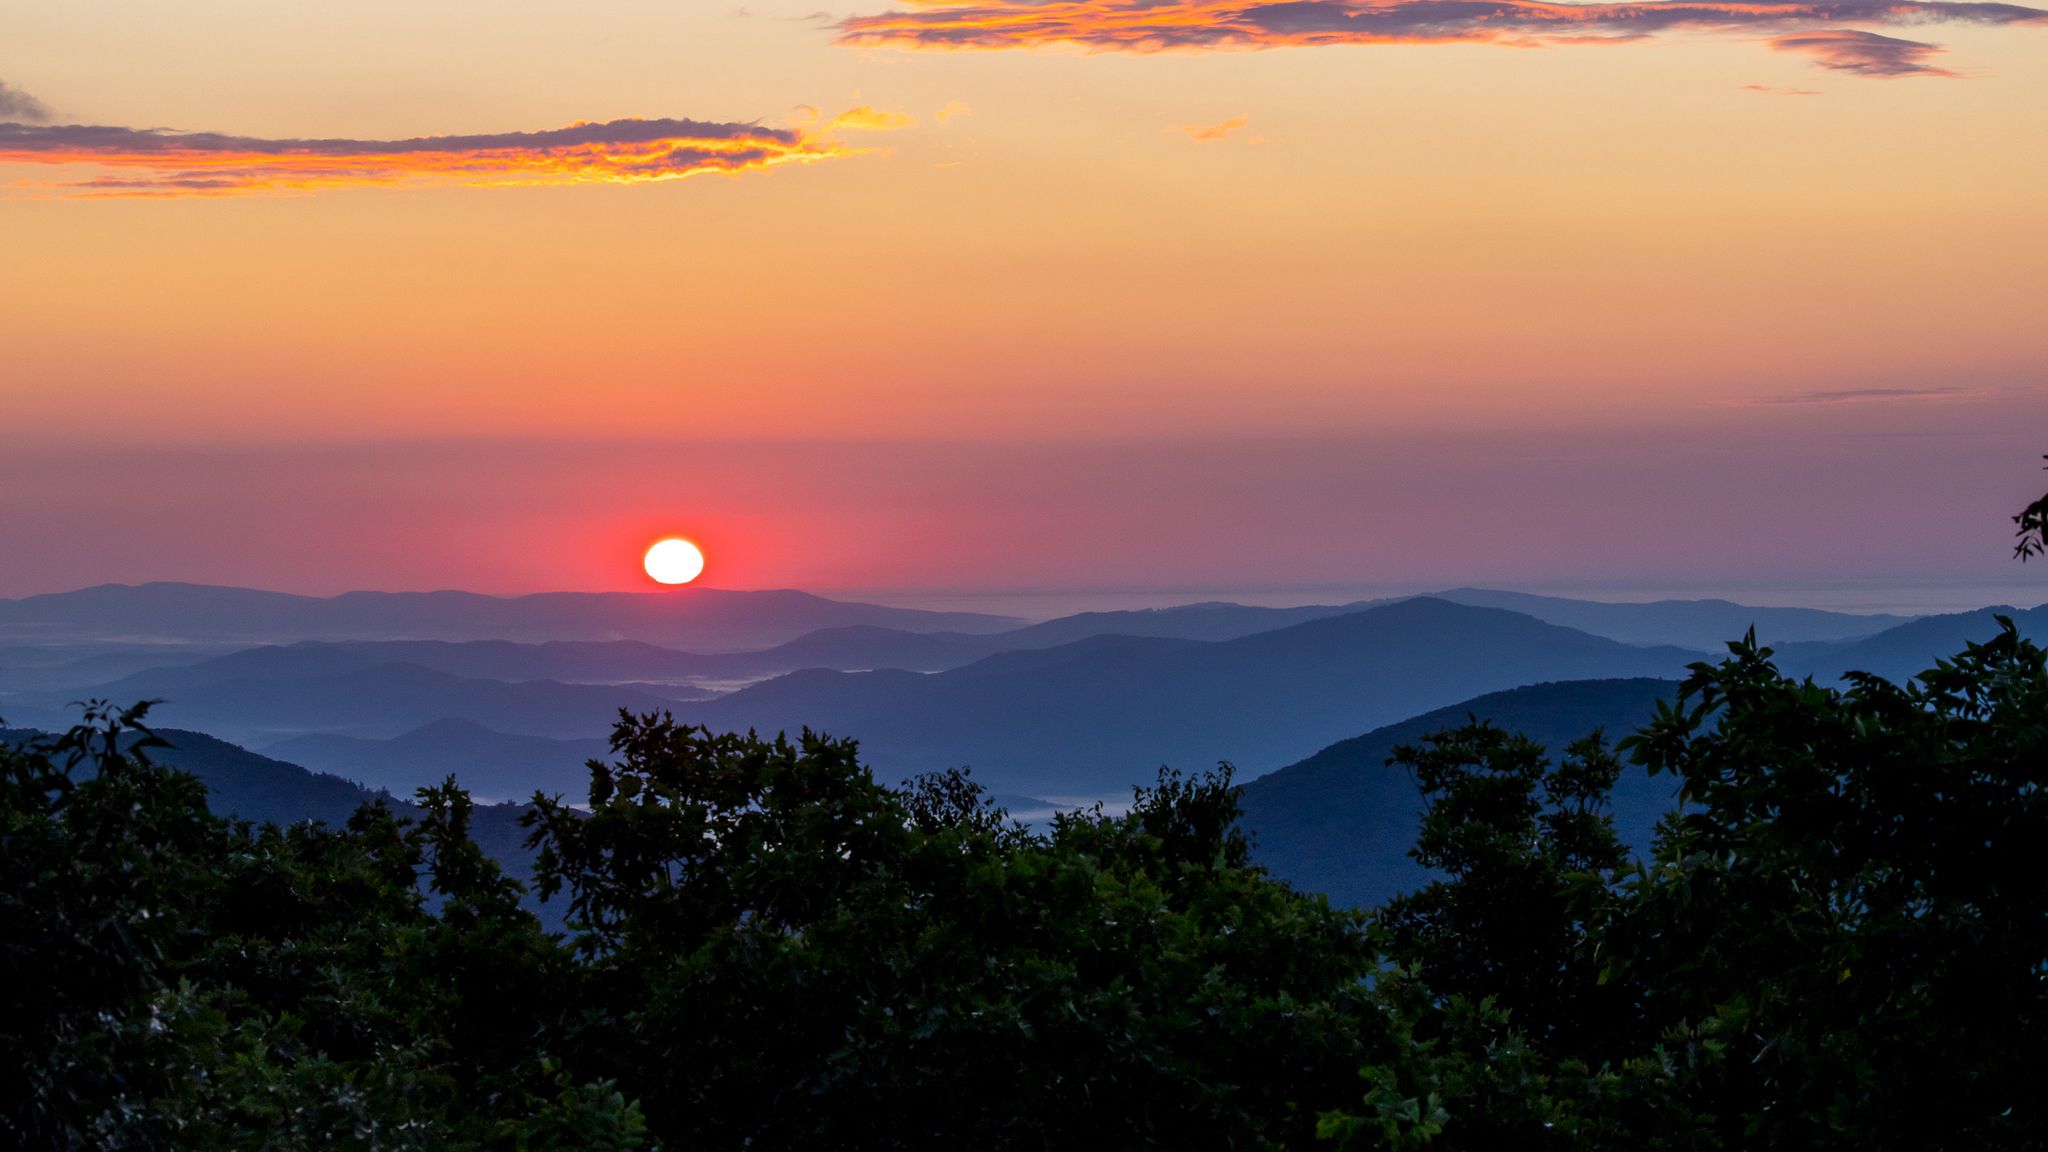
1703,624
1209,620
57,642
257,705
1079,705
506,765
243,784
493,765
706,618
1092,717
1900,653
1088,717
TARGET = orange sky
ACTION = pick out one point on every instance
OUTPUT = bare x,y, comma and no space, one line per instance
1008,260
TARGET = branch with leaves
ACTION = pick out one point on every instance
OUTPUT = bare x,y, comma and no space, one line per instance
2033,532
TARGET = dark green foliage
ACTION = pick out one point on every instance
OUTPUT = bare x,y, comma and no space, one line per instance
783,952
177,981
2033,529
102,881
1849,921
1527,848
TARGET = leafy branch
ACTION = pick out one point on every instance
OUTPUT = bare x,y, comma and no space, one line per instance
2033,531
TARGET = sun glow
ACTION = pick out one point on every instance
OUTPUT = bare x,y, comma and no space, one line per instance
674,561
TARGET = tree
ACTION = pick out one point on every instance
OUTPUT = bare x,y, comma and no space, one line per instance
103,870
1499,980
174,980
779,951
2033,529
1846,920
1527,850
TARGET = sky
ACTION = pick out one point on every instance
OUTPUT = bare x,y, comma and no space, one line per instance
1113,300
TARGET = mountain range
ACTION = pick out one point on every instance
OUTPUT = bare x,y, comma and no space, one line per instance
133,619
248,699
1079,705
1702,624
1903,652
1083,719
493,765
710,619
1091,717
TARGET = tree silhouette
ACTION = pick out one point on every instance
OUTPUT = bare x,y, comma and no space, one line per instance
2033,530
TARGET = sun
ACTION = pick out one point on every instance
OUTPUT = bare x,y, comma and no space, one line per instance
674,561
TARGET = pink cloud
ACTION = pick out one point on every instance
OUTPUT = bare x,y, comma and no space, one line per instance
1863,53
1814,27
159,162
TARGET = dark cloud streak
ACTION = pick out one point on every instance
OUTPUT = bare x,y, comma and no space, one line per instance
19,107
157,162
1814,27
1857,396
1863,53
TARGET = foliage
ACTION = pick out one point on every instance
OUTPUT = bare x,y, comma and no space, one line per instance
1847,920
1526,849
175,981
782,952
2033,529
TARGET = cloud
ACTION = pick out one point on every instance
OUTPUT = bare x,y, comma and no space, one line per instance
1767,90
1854,396
1164,25
953,110
1864,53
1212,132
19,107
866,119
160,162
